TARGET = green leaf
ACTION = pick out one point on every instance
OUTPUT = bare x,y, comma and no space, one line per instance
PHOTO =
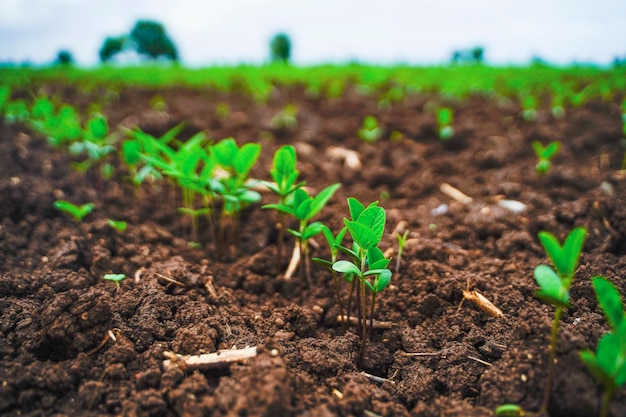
609,300
550,151
321,199
355,207
225,152
323,262
98,127
303,210
312,230
374,218
590,360
608,353
346,267
246,157
552,290
280,207
565,258
131,152
361,234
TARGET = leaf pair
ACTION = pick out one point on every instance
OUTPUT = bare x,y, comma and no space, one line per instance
608,363
545,155
77,212
555,285
284,172
304,206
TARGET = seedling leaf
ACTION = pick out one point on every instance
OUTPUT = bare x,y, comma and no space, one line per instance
551,289
609,300
565,258
346,267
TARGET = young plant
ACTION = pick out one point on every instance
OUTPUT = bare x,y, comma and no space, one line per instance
529,108
368,264
285,176
77,212
370,130
119,225
445,117
304,207
234,189
334,243
608,363
555,284
545,155
287,118
116,278
402,238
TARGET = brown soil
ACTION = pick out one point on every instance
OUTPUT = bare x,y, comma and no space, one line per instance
57,311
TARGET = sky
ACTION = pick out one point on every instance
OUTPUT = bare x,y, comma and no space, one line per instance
379,32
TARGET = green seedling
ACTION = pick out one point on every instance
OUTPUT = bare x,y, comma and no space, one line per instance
234,190
77,212
445,118
285,176
402,238
608,363
116,278
529,108
119,225
137,144
545,155
334,242
287,118
303,207
370,130
509,410
368,263
554,285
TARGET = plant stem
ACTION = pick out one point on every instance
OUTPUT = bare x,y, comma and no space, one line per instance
372,316
344,325
363,309
606,400
552,355
279,241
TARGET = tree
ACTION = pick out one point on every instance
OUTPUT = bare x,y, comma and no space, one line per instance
64,57
151,40
112,46
477,54
280,48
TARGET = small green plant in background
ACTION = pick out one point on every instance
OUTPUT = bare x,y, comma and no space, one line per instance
77,212
368,263
402,238
608,363
116,278
303,207
545,154
529,108
287,118
370,130
285,174
445,118
554,285
119,225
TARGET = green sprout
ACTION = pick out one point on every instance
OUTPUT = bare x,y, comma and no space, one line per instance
116,278
529,108
285,176
608,363
287,118
119,225
334,243
402,238
77,212
304,207
509,410
445,117
555,285
370,130
368,264
545,155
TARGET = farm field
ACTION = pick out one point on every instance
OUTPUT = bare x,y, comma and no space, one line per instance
73,343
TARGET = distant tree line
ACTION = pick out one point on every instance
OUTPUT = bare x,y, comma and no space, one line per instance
474,55
148,39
